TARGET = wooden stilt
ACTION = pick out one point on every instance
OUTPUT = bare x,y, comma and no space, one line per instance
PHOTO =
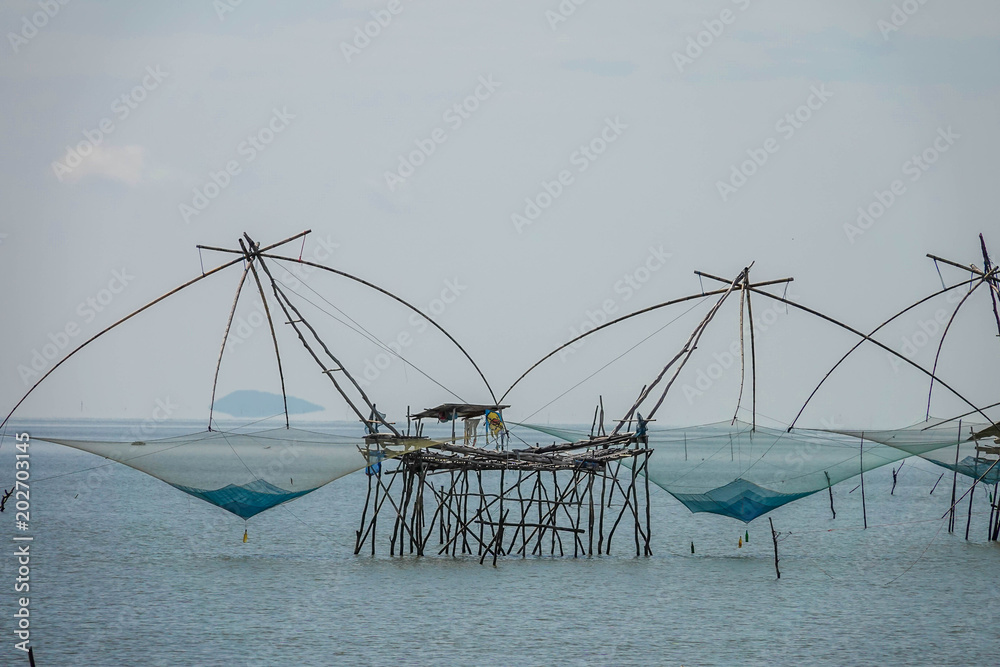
468,519
378,506
940,477
649,530
590,519
600,526
954,481
996,521
635,505
364,515
864,508
968,521
829,487
774,539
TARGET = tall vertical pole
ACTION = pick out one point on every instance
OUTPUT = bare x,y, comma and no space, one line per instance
829,487
996,503
774,539
972,492
649,531
864,509
954,481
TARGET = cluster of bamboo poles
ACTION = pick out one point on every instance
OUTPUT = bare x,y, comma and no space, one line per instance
509,503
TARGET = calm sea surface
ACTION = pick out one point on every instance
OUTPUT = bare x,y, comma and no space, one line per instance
126,570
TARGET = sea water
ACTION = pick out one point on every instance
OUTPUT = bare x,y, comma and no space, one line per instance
126,570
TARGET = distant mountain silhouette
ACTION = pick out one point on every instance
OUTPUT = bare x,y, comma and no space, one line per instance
251,403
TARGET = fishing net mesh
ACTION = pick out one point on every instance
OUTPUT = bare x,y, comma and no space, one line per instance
736,470
245,473
949,444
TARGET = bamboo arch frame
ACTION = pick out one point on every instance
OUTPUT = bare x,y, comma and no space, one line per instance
249,256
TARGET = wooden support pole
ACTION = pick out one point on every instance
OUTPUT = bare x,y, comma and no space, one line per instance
538,487
418,511
579,507
968,521
996,503
378,505
377,508
954,481
520,520
441,518
829,487
544,521
743,371
864,509
649,530
627,498
774,539
993,507
465,515
364,514
940,477
635,504
498,545
600,429
502,515
600,523
395,523
225,337
590,516
482,502
753,363
274,339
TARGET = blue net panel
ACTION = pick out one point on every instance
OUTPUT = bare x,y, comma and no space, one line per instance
246,500
736,470
245,473
739,499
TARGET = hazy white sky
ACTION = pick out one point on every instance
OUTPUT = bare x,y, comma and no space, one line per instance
418,154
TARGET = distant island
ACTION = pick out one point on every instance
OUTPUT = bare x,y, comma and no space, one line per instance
251,403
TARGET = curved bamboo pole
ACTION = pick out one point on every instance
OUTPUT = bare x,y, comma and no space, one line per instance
695,338
944,335
743,370
225,338
876,343
396,298
643,311
872,333
274,337
280,294
753,367
136,312
109,328
305,344
994,289
962,416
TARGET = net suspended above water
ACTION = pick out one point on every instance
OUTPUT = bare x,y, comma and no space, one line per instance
741,472
946,443
246,473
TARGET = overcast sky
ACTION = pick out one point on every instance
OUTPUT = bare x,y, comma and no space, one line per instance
517,169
